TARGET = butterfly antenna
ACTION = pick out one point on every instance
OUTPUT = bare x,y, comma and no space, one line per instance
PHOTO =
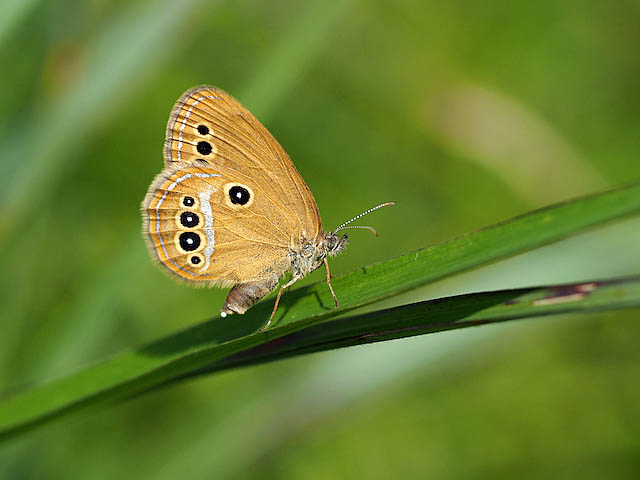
345,227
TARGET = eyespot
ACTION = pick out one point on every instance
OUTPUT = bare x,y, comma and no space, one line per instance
195,260
204,147
188,201
239,195
189,241
189,219
203,130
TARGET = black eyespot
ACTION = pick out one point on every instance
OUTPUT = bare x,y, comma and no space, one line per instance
204,147
189,219
188,201
239,195
189,241
203,129
195,260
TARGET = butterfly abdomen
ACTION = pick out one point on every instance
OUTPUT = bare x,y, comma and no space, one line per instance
242,296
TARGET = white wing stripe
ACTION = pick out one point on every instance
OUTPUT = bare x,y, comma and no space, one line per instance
184,177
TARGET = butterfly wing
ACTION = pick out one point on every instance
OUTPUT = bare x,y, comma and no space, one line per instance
207,124
205,226
229,206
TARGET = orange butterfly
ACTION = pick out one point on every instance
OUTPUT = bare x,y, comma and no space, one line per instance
230,208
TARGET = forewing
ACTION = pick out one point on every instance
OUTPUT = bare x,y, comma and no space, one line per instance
208,125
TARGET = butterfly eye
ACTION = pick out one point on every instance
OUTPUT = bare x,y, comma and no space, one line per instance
203,130
195,260
188,201
189,219
239,195
189,241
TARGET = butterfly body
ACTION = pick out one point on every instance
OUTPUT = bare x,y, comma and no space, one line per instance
230,208
303,259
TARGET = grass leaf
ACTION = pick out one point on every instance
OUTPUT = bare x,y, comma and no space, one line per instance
443,314
223,340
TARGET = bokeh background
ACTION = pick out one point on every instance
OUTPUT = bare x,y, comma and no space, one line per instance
464,113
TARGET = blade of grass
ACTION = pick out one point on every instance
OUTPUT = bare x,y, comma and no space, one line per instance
180,354
442,314
320,389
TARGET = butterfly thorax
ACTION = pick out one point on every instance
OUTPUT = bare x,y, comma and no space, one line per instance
311,254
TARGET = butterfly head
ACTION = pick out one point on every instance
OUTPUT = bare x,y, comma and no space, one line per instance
334,244
311,255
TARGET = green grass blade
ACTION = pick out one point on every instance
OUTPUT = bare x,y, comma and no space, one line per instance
443,314
138,370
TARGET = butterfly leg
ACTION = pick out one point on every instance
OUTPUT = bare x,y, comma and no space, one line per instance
275,307
333,294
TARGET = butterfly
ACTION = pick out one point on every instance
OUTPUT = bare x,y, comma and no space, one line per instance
230,208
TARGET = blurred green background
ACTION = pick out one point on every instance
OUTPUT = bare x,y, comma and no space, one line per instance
463,113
